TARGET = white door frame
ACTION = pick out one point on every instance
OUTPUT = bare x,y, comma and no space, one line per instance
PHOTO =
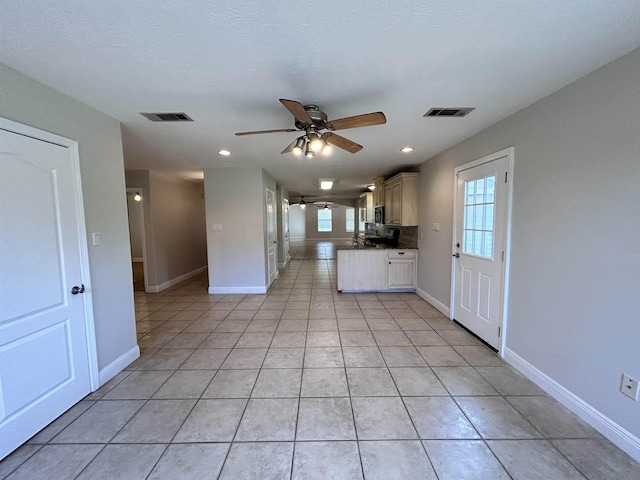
140,190
87,297
510,153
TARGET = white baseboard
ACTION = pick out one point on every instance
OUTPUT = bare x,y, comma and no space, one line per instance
246,290
174,281
137,260
607,427
119,364
435,303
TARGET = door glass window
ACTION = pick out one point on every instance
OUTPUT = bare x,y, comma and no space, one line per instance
479,211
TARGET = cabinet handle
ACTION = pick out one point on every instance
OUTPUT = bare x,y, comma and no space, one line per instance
389,263
400,253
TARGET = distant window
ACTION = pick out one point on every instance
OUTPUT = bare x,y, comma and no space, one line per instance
324,220
351,219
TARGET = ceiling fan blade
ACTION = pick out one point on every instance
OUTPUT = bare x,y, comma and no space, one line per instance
290,147
343,143
259,132
297,110
365,120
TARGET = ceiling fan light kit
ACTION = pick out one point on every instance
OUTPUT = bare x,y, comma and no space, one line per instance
311,120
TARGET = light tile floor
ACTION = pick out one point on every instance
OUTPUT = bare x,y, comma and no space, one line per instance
307,383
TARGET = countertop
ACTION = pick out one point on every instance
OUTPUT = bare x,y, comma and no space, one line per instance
370,247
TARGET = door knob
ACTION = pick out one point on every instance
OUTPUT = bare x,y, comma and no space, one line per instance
457,255
76,290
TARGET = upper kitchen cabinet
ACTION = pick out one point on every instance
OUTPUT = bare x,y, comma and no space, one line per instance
401,199
378,192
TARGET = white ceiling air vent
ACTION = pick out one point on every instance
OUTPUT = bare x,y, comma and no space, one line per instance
167,117
448,112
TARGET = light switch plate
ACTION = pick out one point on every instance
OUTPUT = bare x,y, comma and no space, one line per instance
435,227
216,227
95,239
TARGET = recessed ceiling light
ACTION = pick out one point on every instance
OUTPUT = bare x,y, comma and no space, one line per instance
224,153
407,149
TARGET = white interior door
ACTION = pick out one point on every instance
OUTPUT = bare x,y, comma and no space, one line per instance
285,227
479,254
45,364
272,236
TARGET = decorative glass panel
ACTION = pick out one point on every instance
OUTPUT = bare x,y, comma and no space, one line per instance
479,212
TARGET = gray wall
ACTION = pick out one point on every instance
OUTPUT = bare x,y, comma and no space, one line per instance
235,198
28,102
339,225
575,270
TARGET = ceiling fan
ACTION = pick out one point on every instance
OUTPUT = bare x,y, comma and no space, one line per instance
311,120
326,205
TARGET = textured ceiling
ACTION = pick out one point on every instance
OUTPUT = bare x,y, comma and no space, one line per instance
226,64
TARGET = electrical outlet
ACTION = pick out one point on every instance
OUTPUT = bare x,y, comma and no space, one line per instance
629,387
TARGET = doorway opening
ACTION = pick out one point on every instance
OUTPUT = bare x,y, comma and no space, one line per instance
135,210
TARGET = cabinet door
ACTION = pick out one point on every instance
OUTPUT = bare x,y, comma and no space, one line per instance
396,204
388,206
402,274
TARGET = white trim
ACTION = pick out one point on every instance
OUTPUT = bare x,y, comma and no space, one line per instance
174,281
247,290
433,302
87,298
137,259
119,364
603,424
508,152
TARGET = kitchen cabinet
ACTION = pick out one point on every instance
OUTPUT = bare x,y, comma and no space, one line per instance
362,270
401,199
377,270
378,192
365,207
401,269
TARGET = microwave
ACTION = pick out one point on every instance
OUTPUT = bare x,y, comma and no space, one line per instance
379,215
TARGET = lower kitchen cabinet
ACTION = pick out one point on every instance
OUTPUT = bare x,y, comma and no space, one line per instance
402,269
376,270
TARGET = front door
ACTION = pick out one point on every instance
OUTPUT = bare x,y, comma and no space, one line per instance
479,246
272,236
44,359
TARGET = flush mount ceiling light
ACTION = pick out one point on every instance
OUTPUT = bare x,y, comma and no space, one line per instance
407,149
371,187
224,153
326,183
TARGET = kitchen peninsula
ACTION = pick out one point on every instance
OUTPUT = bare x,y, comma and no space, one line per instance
376,269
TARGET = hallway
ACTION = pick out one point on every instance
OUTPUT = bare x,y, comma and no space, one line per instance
307,383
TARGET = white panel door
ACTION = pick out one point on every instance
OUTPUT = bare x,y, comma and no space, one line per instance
481,214
44,360
285,228
272,236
